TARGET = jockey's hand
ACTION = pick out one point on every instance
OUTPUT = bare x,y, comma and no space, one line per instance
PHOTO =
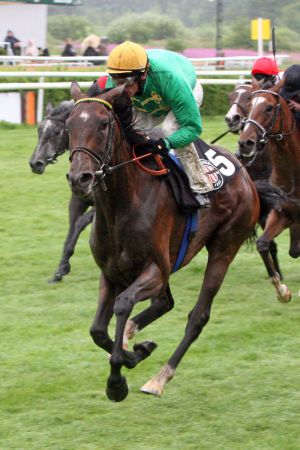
294,105
158,144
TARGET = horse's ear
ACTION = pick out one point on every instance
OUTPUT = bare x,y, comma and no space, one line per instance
75,91
255,84
278,86
49,108
115,94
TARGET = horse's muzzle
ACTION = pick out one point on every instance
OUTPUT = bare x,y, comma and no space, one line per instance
80,183
247,147
37,166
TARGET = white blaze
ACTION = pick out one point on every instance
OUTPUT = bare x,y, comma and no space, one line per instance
84,116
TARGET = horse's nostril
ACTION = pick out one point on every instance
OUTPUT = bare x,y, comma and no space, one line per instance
236,118
85,178
37,166
250,143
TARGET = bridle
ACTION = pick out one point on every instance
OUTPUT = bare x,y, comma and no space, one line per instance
237,103
58,151
102,161
267,134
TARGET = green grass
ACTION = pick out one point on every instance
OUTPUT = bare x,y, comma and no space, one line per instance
236,389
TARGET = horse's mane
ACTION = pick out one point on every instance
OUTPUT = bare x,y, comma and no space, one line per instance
63,108
123,110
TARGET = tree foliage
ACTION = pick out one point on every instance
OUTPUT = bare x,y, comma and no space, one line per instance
143,27
74,27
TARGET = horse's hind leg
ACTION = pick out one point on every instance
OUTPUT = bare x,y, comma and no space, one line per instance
159,306
214,275
77,208
294,240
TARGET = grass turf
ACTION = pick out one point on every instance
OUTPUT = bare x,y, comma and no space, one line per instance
237,387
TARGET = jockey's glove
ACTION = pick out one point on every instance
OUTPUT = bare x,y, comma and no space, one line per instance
159,144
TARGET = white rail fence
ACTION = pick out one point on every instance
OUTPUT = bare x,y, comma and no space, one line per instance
239,76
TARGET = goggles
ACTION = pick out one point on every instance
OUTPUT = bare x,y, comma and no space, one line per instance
128,81
261,76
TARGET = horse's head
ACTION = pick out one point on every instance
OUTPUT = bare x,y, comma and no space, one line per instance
268,114
239,100
93,134
53,137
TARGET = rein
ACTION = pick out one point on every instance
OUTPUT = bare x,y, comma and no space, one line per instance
267,134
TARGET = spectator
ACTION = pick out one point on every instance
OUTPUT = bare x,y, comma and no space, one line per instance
69,49
15,43
102,49
31,49
90,47
44,52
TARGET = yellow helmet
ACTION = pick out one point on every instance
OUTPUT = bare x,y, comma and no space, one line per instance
127,58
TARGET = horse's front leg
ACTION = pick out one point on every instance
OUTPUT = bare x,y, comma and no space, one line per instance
148,284
276,223
99,328
77,208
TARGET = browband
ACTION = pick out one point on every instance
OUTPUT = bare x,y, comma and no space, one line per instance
93,99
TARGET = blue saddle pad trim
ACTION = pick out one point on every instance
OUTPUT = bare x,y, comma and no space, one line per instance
190,226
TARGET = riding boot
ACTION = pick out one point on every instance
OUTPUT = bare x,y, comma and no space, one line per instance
199,181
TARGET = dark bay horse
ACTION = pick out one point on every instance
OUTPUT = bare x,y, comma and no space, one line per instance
53,141
260,167
271,122
137,230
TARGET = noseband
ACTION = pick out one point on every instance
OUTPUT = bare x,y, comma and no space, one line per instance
267,134
245,113
102,162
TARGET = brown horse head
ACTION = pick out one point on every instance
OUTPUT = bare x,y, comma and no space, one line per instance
93,130
269,117
239,100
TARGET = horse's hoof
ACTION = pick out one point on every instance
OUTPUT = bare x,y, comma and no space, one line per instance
56,278
117,393
285,294
145,348
152,387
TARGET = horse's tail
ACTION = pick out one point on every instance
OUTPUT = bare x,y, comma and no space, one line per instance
270,196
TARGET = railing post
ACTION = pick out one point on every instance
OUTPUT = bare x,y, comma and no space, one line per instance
40,102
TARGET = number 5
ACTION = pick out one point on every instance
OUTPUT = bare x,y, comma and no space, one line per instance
228,167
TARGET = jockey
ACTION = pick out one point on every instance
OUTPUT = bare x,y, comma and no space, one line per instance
291,90
164,90
265,71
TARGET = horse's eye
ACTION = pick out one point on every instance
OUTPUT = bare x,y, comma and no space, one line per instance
269,108
102,126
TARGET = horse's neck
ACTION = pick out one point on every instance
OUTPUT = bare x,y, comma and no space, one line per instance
286,162
125,188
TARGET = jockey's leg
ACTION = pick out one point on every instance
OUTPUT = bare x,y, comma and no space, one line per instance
199,181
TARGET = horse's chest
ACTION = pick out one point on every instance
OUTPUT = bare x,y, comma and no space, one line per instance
122,255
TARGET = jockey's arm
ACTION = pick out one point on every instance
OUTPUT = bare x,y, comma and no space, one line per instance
178,95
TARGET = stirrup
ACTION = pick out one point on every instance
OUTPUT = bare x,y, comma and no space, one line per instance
202,199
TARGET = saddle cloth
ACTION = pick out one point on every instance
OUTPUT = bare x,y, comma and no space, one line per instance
219,167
